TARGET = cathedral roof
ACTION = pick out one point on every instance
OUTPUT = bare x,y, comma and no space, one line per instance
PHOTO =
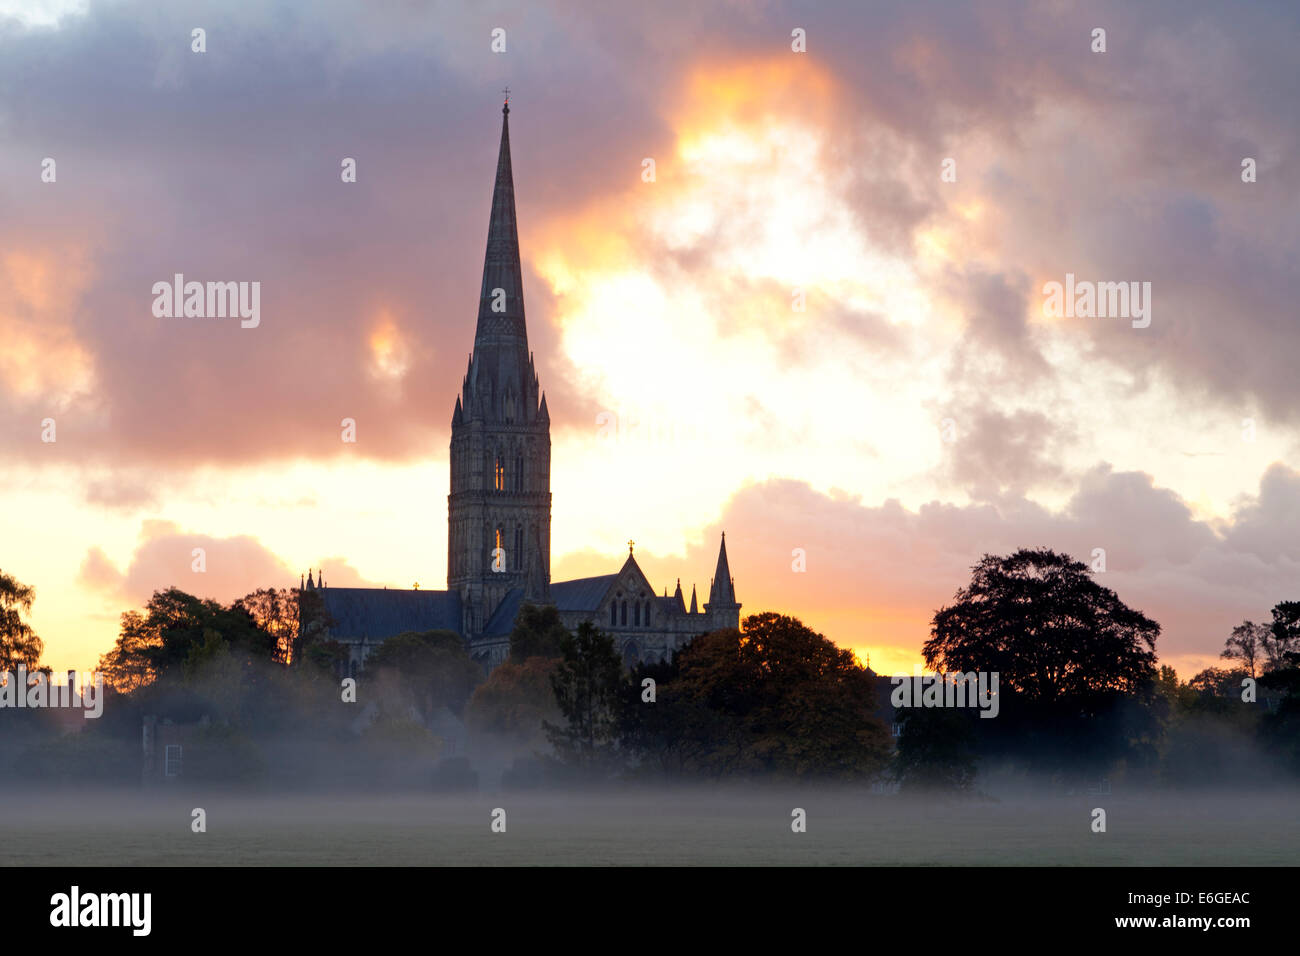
581,594
380,613
502,621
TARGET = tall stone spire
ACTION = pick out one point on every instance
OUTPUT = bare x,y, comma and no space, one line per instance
499,508
722,591
722,604
501,382
501,314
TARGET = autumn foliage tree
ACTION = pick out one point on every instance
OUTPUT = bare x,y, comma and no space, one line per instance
19,644
775,698
174,625
515,702
276,612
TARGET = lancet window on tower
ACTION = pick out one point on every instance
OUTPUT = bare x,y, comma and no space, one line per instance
500,472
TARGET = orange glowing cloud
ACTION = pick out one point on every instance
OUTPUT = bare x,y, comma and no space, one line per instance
39,292
388,350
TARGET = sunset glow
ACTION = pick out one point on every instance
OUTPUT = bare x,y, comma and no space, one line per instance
796,332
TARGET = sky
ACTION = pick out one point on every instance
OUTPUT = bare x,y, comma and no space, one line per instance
819,326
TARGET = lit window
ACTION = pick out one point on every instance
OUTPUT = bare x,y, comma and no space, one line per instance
500,477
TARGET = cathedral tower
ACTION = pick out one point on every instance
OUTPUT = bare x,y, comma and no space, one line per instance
499,508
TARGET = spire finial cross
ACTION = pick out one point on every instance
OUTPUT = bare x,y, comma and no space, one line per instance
506,91
630,543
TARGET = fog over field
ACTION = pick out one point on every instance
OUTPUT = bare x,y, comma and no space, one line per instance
649,826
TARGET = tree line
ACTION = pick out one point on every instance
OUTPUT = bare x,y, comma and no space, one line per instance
1081,692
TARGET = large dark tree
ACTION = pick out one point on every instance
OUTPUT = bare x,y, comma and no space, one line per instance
174,625
1284,637
678,733
18,642
1281,726
1044,624
588,687
776,698
538,632
1076,665
936,750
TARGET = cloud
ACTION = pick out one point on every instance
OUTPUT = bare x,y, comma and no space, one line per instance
255,153
231,567
995,453
777,170
876,575
98,572
117,491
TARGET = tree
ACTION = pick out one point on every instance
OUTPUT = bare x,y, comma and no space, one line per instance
1219,682
935,750
313,626
432,666
776,698
587,685
1280,728
19,644
324,657
1076,666
128,666
1248,644
1171,688
515,701
678,734
1285,634
1042,622
155,644
276,612
538,632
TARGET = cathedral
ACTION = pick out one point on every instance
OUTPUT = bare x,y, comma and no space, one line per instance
499,507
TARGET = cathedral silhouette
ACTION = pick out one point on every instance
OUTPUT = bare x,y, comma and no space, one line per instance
499,506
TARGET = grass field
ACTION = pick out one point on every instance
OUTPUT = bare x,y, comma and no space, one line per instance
647,827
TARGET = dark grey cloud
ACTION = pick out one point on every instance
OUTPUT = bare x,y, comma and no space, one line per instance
225,166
